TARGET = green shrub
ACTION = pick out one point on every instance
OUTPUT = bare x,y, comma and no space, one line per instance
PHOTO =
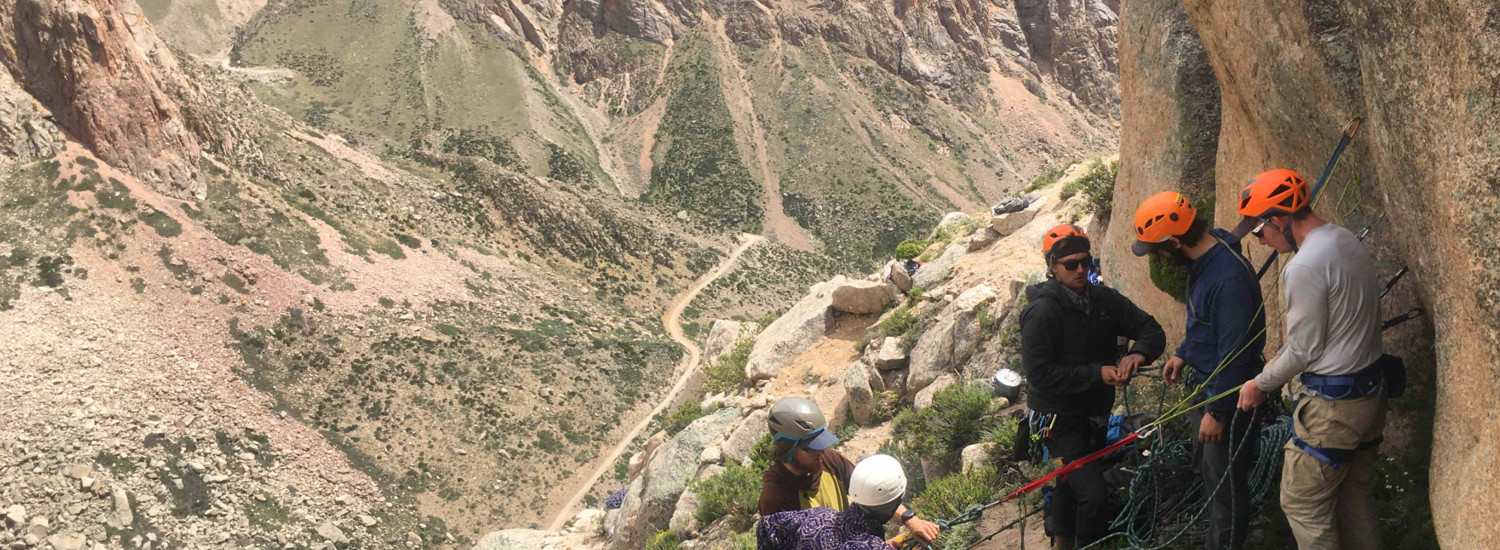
951,495
728,373
914,295
760,454
1002,435
740,541
899,322
886,405
1168,278
684,415
664,540
1069,189
1098,186
910,248
940,432
1046,179
734,493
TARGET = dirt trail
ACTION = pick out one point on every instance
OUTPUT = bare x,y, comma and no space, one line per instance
690,359
778,225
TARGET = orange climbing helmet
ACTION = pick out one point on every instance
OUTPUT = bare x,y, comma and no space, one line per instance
1163,215
1274,192
1060,232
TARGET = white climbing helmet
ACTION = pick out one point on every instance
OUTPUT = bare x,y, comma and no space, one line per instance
876,481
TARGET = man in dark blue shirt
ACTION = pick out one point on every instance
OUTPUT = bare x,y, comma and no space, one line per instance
1225,333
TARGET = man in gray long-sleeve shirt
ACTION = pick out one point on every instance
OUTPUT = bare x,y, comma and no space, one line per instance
1332,294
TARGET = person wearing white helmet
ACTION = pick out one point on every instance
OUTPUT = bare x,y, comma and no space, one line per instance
875,491
807,473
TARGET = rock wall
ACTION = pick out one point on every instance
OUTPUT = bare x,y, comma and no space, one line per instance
1425,172
1173,118
110,83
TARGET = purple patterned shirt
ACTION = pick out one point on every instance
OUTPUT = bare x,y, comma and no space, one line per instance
819,529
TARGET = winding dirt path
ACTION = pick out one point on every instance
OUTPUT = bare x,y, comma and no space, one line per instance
690,358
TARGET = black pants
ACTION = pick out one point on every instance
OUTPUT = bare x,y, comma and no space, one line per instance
1080,504
1229,513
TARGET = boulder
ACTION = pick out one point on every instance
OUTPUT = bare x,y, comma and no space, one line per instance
946,344
519,539
1005,224
895,380
652,496
877,382
791,334
935,272
952,219
683,522
976,455
744,436
588,520
923,398
857,388
983,238
971,299
711,455
891,355
861,297
722,336
897,275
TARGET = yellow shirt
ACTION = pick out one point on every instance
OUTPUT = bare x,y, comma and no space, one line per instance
829,494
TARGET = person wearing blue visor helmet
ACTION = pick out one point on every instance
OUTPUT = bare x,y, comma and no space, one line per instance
806,472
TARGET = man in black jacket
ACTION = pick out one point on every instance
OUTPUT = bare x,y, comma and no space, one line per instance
1068,348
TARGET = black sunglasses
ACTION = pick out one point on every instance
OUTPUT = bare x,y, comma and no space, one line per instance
1069,265
1258,231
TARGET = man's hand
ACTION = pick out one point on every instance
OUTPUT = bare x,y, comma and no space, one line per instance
1251,396
1110,376
923,529
1128,365
1210,430
1171,372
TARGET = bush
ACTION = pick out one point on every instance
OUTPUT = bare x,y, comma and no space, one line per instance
1098,186
887,405
728,374
1168,278
1002,435
664,540
910,248
760,454
940,432
914,295
734,493
684,415
1069,189
900,321
1049,177
740,541
951,495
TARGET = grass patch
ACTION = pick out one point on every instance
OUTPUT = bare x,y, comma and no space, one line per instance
162,223
115,196
267,514
899,322
684,415
1046,179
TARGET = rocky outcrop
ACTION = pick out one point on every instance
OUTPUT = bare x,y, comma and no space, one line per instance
861,297
1422,74
111,84
25,129
738,442
891,355
933,273
949,341
861,396
791,334
722,336
1075,39
652,497
1009,222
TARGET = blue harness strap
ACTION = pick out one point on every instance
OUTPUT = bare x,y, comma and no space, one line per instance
1364,383
1331,456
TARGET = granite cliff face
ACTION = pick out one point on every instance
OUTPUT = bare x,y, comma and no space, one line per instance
1424,173
111,84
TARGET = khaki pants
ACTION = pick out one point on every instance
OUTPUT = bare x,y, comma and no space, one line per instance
1333,508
